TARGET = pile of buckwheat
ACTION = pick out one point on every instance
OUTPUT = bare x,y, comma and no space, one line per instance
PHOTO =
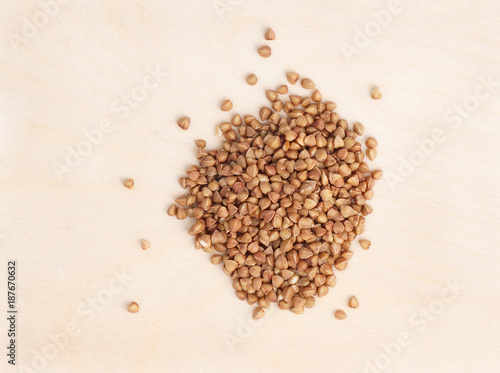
280,202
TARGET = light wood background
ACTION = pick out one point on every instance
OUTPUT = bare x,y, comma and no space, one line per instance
73,70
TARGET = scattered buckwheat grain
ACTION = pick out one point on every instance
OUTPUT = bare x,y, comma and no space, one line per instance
133,307
292,77
307,83
353,302
270,35
340,315
258,313
365,244
264,51
129,183
184,123
145,244
226,105
282,89
252,79
376,94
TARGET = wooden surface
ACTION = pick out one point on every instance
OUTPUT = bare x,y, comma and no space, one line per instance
72,226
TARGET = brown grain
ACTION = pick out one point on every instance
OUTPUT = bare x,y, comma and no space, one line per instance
307,83
226,105
365,244
184,123
353,302
376,93
145,244
340,315
129,183
264,51
292,77
270,35
252,79
133,307
258,313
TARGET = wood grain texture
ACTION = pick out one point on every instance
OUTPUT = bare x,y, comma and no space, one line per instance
139,66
